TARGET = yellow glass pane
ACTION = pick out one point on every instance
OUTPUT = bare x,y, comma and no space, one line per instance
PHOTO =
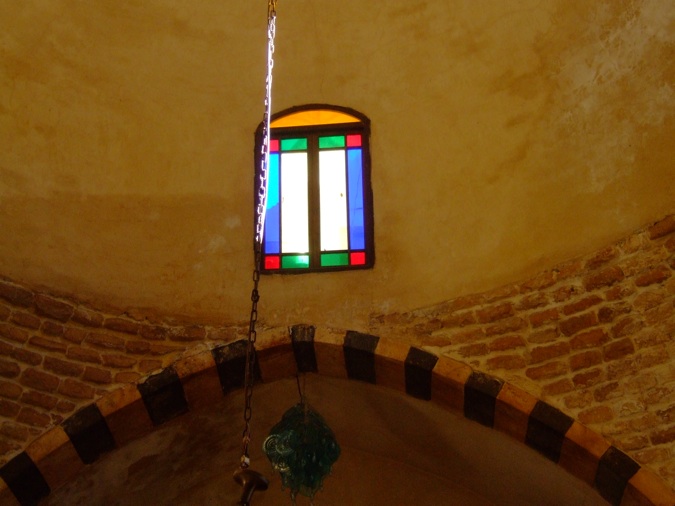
313,117
333,199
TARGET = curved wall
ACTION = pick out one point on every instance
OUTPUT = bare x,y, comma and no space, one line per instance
504,140
591,339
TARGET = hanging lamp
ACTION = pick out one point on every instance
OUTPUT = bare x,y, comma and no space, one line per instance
301,447
249,479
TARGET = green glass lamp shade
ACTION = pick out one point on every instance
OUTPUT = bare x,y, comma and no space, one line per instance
303,449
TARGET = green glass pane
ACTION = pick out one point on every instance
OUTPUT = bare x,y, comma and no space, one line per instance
335,141
295,262
334,259
293,144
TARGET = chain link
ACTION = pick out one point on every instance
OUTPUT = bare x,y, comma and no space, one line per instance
264,147
260,226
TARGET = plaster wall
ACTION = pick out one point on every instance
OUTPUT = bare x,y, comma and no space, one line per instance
506,137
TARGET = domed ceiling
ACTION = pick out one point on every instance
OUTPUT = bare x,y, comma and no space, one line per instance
506,137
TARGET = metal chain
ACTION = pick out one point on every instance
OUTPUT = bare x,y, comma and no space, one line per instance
264,147
260,226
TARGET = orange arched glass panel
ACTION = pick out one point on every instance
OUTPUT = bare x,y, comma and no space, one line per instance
319,203
313,117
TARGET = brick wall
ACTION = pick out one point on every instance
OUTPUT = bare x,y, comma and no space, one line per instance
592,337
57,356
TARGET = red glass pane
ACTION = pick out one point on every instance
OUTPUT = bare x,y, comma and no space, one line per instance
353,141
272,262
357,258
274,145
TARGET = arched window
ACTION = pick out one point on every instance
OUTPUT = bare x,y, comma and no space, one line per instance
319,203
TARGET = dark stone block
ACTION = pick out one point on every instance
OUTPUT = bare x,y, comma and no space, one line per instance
25,480
614,470
480,397
546,429
302,337
231,365
163,396
418,367
359,350
89,433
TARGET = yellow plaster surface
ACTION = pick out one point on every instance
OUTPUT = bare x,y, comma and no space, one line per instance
506,137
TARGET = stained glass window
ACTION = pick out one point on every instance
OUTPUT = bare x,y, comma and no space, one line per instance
319,203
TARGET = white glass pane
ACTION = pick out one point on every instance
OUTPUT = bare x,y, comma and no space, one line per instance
333,188
294,205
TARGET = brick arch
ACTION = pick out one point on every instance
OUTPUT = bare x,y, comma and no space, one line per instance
192,382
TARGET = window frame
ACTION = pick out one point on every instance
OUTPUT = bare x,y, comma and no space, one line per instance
312,132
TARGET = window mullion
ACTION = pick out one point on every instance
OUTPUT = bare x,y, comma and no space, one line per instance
314,202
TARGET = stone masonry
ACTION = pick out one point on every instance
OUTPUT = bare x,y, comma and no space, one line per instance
592,337
57,356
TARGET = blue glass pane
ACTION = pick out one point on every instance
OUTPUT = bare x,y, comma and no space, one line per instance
357,237
272,218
